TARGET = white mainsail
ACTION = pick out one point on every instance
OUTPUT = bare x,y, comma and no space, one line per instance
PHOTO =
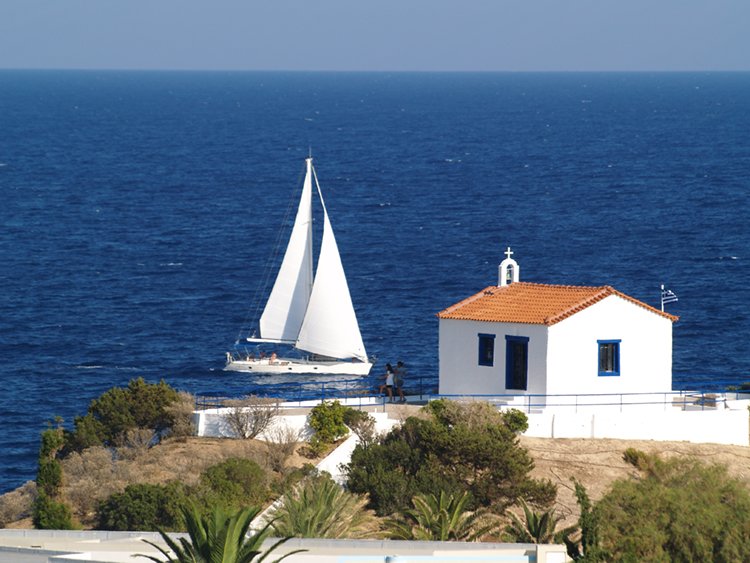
330,327
316,315
285,310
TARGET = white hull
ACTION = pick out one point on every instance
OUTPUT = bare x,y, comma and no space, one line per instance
295,366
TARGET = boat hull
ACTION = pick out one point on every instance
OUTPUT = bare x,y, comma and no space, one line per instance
293,366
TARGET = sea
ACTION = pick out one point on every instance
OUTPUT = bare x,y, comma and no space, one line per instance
142,212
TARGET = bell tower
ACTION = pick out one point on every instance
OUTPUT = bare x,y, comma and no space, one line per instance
508,271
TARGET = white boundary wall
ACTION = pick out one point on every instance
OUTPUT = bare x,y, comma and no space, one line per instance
698,426
726,423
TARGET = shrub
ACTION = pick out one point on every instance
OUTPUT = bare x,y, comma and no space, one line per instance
47,511
90,477
109,417
143,507
362,424
251,416
17,505
49,514
677,510
180,414
516,421
280,445
327,419
49,472
453,451
233,484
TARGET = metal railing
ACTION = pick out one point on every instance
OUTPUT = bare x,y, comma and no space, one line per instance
364,392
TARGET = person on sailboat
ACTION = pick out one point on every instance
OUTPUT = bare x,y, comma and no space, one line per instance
388,383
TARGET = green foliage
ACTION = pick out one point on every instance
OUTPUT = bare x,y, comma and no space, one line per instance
290,478
49,472
440,518
217,538
588,549
327,419
460,448
362,424
537,527
354,417
48,514
678,510
232,484
319,508
109,417
49,476
143,507
516,421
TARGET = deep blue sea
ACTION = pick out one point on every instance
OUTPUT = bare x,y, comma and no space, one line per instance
139,211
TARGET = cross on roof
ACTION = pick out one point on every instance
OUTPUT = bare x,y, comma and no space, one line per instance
508,253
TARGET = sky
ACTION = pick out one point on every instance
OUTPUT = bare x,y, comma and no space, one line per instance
376,35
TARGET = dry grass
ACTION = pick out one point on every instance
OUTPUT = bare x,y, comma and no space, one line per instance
96,473
16,505
181,412
596,463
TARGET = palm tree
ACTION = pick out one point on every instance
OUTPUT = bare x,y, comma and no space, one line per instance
320,508
539,527
441,518
218,538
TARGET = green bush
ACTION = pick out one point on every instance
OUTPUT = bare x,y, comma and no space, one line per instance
327,419
49,471
49,476
48,514
460,448
143,507
677,510
516,421
118,410
233,484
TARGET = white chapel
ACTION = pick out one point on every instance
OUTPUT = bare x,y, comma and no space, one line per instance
520,338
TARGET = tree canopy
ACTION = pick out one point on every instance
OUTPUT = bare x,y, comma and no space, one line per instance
676,510
456,448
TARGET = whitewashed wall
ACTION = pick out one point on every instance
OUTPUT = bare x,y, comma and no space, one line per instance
645,350
460,372
708,426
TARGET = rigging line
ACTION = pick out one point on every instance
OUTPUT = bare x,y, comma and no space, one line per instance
253,313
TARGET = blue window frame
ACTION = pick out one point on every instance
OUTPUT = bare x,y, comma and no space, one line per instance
516,362
486,349
609,357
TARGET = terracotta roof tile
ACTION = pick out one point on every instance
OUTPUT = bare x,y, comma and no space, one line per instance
534,303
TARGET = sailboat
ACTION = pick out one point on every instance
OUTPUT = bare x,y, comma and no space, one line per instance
312,314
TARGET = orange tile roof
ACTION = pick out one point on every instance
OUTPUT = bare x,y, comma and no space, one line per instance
534,303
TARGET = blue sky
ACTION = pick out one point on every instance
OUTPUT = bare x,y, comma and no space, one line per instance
466,35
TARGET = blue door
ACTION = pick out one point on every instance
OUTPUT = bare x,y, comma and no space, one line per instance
516,362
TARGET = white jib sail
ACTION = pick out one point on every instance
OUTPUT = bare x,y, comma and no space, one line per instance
285,310
330,327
